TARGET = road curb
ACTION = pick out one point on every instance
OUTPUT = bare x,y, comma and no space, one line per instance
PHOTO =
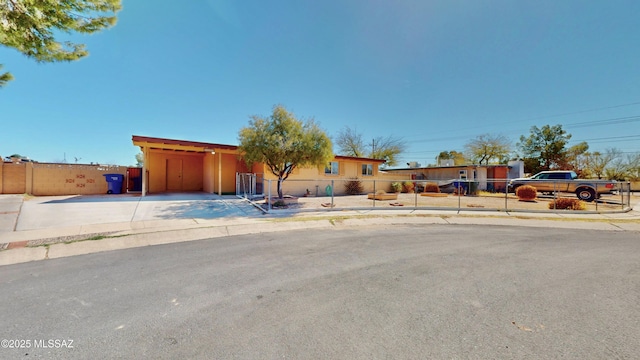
140,236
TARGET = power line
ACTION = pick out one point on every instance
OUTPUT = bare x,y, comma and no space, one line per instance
617,138
620,120
579,124
585,111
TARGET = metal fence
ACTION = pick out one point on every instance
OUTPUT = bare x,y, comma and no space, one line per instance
456,195
249,185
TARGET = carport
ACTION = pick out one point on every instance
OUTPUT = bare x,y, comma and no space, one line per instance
186,166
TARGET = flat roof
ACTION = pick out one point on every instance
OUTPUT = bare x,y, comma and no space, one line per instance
173,143
448,167
161,141
341,157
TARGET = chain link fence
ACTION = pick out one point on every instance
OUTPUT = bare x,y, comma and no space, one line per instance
424,194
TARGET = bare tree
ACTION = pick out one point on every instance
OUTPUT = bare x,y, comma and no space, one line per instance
633,166
596,163
618,168
387,148
350,143
488,148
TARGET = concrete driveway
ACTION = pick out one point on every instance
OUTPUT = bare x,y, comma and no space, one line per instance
64,211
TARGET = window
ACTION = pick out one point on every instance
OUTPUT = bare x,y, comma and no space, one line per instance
332,168
367,169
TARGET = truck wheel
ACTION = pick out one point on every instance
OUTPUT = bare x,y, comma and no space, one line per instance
586,194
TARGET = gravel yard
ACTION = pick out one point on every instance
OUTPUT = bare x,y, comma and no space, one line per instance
484,201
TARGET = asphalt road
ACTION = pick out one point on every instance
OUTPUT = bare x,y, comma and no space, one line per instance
397,292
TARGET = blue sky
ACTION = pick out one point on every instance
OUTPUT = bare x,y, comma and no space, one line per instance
434,73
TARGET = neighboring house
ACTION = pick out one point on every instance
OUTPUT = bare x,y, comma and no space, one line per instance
488,177
179,165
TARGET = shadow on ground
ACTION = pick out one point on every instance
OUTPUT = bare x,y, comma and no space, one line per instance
135,197
96,198
208,209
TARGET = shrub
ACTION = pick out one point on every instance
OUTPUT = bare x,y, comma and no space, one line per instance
396,187
568,204
408,186
353,186
431,187
526,192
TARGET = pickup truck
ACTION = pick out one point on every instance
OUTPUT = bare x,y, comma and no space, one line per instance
565,181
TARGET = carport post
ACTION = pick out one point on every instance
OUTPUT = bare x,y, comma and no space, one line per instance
219,173
145,175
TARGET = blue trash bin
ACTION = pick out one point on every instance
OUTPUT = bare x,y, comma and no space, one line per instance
114,183
462,184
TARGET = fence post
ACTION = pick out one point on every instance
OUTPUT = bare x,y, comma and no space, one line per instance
506,195
415,190
269,197
332,183
628,195
374,193
555,192
622,197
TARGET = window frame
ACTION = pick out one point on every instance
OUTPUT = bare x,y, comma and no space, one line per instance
366,169
328,169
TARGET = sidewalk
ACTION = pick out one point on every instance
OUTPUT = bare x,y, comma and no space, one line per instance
62,223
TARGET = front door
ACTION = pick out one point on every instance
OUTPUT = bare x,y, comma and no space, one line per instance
174,174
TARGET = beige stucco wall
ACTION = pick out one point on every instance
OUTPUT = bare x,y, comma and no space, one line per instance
55,179
315,181
71,179
13,178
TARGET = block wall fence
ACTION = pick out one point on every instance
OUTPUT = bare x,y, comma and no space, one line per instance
55,179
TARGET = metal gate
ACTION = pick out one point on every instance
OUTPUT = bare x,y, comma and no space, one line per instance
249,185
